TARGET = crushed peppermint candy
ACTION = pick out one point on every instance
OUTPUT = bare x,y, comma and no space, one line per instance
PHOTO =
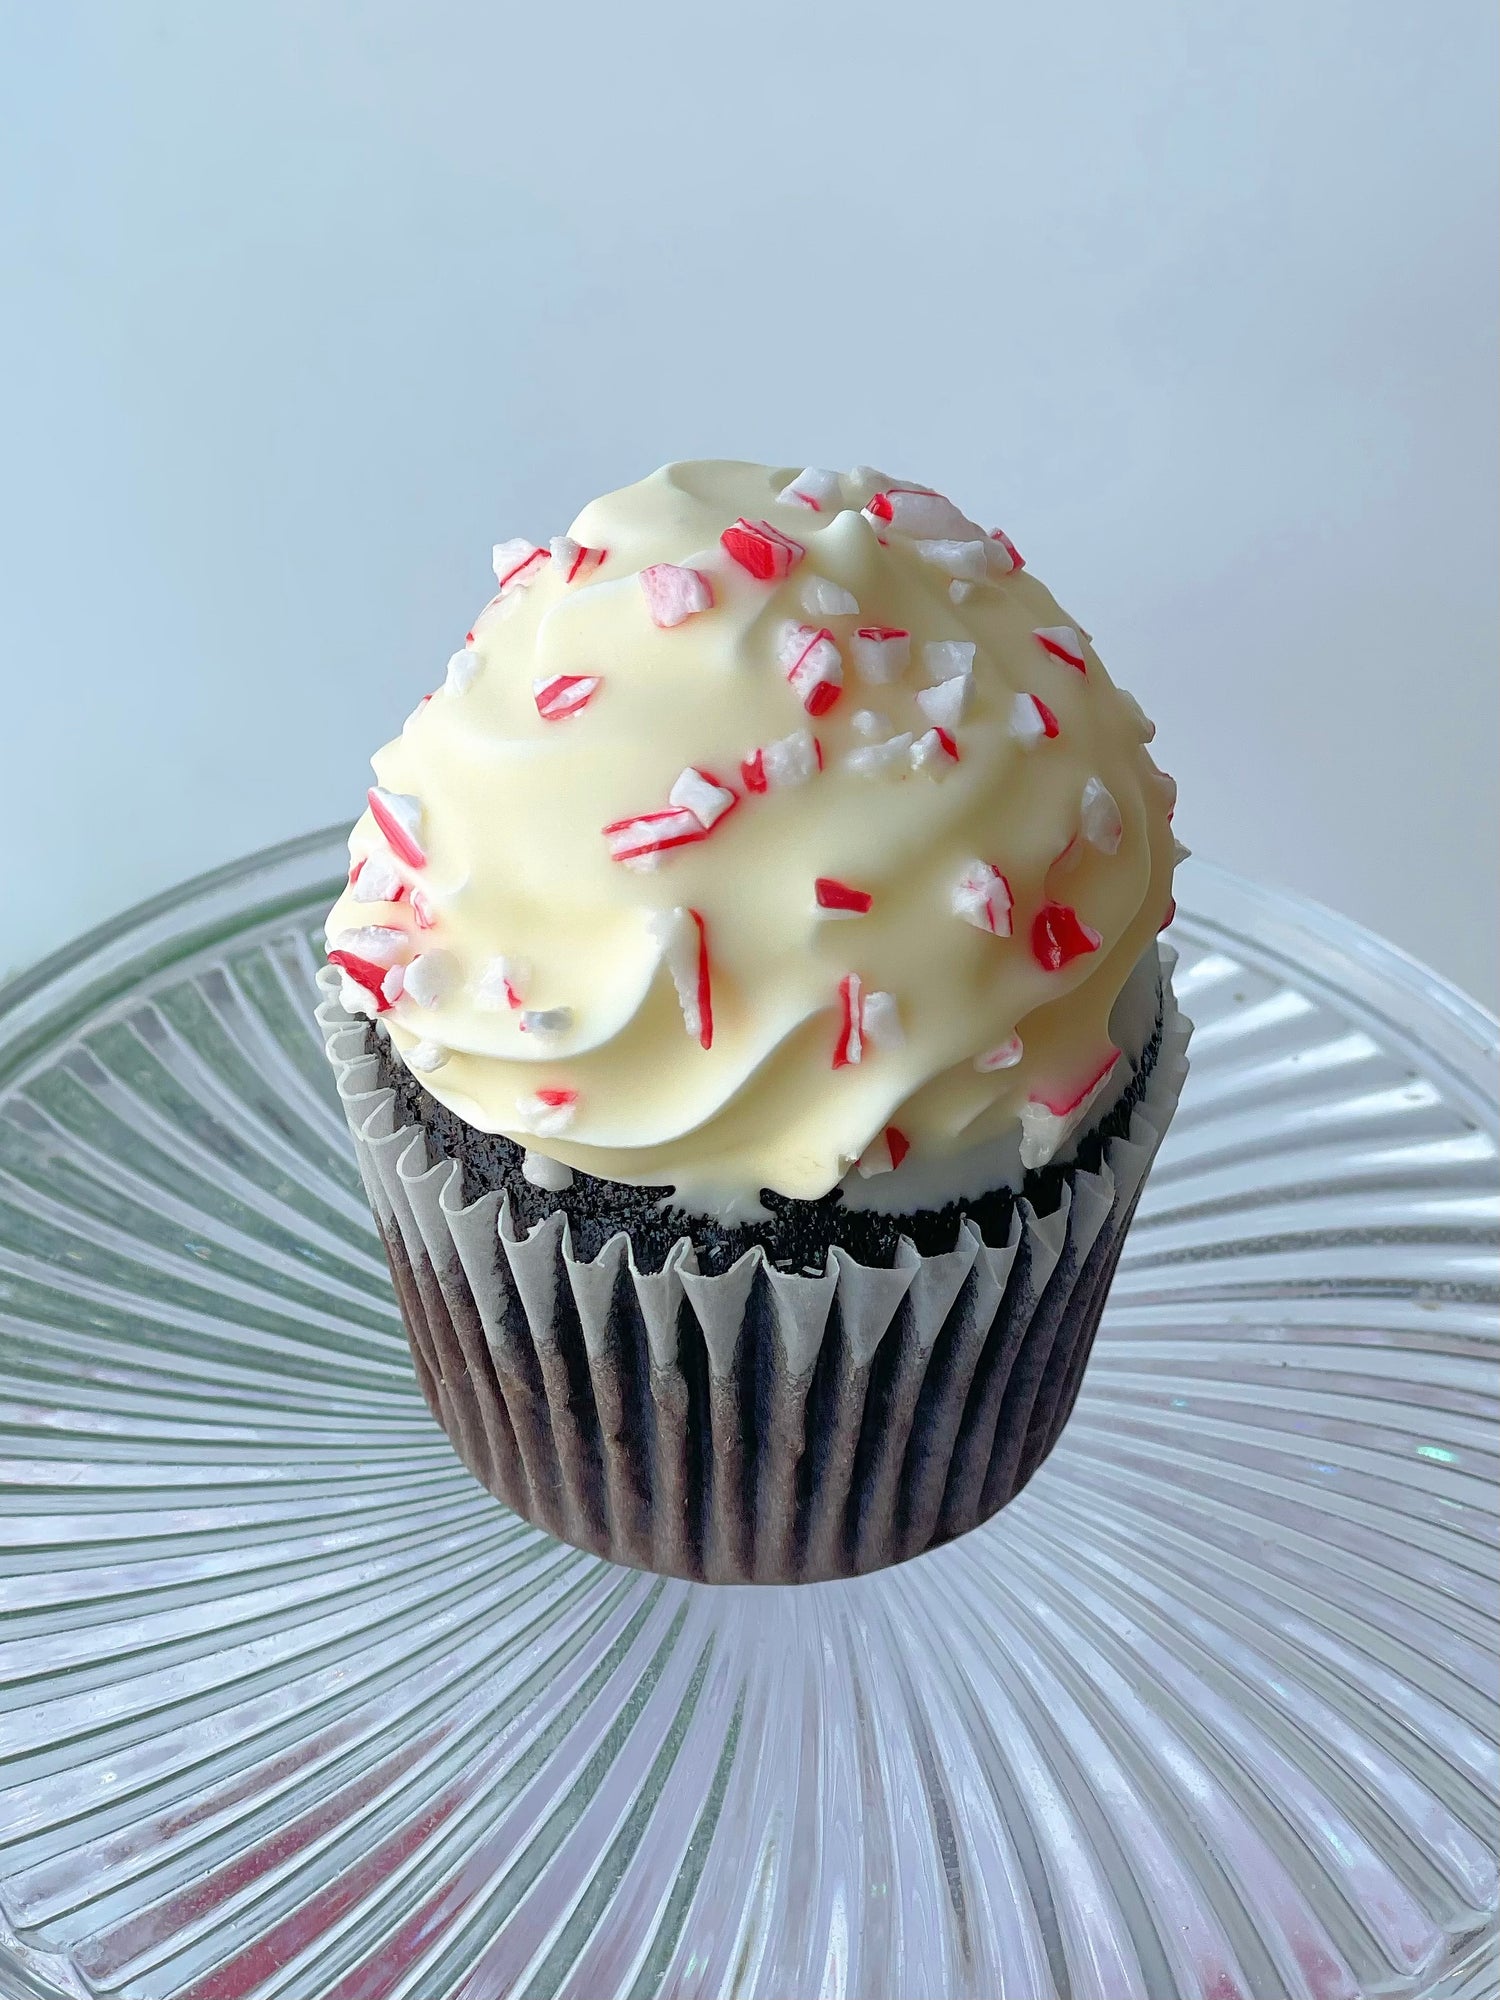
430,978
764,551
641,841
813,665
425,1056
381,944
502,984
561,695
880,1019
703,796
880,760
376,879
361,976
573,559
779,766
936,753
881,653
550,1175
546,1020
462,667
946,659
422,909
1063,643
824,598
959,591
1031,720
945,704
840,899
394,984
884,1153
849,1047
1004,1055
399,817
922,515
981,896
1059,935
1099,817
1047,1119
518,563
674,594
683,937
1179,852
1005,550
813,488
547,1112
964,560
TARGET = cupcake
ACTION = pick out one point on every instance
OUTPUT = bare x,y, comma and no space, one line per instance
748,1007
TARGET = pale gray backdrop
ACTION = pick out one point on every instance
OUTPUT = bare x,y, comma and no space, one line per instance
306,303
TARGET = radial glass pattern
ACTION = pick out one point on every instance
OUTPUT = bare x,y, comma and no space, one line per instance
289,1707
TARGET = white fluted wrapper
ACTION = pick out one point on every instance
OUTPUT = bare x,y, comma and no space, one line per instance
757,1426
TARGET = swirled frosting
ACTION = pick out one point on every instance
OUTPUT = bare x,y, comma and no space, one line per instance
769,828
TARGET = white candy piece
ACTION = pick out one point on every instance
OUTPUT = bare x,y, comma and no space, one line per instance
1005,1055
518,563
1026,723
790,761
959,591
379,881
502,984
880,760
356,999
550,1175
1063,642
945,704
695,793
881,654
426,1056
1179,852
868,480
877,1157
1099,817
546,1020
393,985
811,662
1002,554
931,754
981,896
381,944
674,593
546,1120
961,559
462,667
870,724
816,489
921,515
681,952
880,1021
431,977
944,658
823,598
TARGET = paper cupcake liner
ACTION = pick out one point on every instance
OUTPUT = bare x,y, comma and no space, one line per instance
756,1426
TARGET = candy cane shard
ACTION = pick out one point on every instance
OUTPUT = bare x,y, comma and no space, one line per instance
810,659
1003,554
880,760
518,563
884,1153
881,653
1059,935
701,794
377,880
462,667
1063,643
960,592
832,898
824,598
1031,720
502,984
936,753
813,488
1048,1117
399,817
766,553
422,909
573,559
981,896
547,1112
965,560
871,1019
1099,817
425,1056
1004,1055
1179,853
430,977
945,704
550,1175
946,659
780,766
683,937
561,695
674,594
546,1021
361,989
921,515
880,1020
641,841
380,944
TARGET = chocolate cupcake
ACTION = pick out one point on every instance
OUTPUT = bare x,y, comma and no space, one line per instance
748,1007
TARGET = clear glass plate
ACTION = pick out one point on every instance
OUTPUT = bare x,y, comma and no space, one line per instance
289,1707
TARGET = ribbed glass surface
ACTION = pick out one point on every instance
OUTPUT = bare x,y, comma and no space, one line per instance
289,1707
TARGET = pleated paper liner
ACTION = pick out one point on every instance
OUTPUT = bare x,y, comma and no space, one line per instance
756,1426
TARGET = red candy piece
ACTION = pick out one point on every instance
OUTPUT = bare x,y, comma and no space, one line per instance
705,987
563,695
653,833
1059,935
1063,643
840,897
761,549
1018,561
1169,917
554,1097
849,1047
364,972
898,1143
398,816
1061,1099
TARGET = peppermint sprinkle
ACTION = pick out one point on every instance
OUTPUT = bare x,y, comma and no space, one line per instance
935,753
550,1175
547,1112
430,978
573,559
1005,1055
399,817
825,599
518,563
378,881
425,1056
813,488
813,666
546,1021
839,899
683,937
701,794
1099,817
462,667
561,695
502,984
764,551
884,1153
783,765
1031,721
1063,643
674,594
981,896
881,653
1059,935
945,704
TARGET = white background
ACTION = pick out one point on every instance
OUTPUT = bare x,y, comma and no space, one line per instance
305,304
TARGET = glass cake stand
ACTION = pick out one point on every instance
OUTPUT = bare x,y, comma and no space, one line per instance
289,1707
